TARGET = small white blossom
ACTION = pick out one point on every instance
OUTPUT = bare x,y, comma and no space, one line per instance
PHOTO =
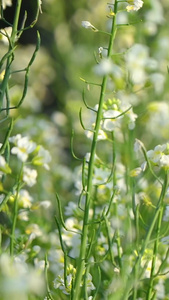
18,280
24,199
4,34
45,204
90,285
111,122
131,118
29,176
4,168
164,161
100,175
23,146
43,158
23,215
135,172
101,134
59,281
33,230
156,155
137,60
88,25
134,5
105,67
6,3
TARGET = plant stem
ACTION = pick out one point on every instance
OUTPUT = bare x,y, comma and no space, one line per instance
84,240
12,239
133,279
15,214
155,252
12,41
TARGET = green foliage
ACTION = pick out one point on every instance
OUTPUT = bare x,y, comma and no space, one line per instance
84,153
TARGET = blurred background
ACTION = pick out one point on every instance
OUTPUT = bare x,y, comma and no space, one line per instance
50,111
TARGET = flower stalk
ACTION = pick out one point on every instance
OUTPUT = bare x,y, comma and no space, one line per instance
12,40
84,241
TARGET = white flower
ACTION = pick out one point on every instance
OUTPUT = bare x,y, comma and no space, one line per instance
131,118
100,50
90,285
59,281
135,172
24,199
34,230
45,204
101,134
160,78
164,161
105,67
71,239
4,168
134,5
137,59
18,280
111,122
100,176
39,264
88,25
43,158
23,146
156,155
29,176
23,215
4,34
6,3
158,120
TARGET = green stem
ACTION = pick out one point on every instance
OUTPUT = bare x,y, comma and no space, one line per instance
133,279
118,239
15,214
12,41
14,223
84,240
150,290
156,243
46,279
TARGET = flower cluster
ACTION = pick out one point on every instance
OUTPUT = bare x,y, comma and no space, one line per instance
66,287
115,116
24,280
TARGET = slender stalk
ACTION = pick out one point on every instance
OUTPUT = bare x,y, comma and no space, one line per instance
12,41
49,295
150,290
156,244
118,239
84,240
15,214
133,279
14,223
